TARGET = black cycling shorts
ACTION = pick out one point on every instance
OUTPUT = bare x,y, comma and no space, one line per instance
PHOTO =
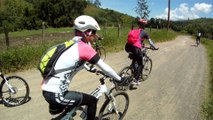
58,102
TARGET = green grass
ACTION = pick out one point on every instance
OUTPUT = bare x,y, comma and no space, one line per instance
27,56
162,35
207,107
25,33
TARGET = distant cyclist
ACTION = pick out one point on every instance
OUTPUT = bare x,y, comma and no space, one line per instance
198,38
136,50
55,88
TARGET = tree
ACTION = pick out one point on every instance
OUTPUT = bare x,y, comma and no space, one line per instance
97,3
58,13
11,16
142,9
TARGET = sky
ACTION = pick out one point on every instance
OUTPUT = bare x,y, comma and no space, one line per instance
179,9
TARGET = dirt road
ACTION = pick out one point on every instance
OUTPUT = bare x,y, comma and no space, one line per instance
173,91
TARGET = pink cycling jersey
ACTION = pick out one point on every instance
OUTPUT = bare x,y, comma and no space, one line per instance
72,58
143,36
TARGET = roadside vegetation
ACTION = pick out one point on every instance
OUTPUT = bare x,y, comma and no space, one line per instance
22,42
207,107
26,55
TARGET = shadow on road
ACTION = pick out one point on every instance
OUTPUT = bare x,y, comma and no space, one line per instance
1,102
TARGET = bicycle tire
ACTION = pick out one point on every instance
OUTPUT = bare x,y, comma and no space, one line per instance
110,114
101,52
147,68
21,91
126,72
197,42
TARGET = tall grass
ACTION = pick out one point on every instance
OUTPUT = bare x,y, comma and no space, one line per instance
207,107
25,33
27,55
115,41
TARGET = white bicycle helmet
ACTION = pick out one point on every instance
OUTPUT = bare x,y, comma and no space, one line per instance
84,22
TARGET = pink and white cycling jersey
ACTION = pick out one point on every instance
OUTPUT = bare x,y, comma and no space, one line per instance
72,60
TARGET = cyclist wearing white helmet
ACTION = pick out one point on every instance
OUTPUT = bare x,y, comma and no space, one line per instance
136,49
55,89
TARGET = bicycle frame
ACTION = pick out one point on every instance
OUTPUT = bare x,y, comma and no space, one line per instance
7,83
134,64
98,92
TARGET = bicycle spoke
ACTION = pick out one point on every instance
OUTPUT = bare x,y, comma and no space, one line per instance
147,68
15,91
121,105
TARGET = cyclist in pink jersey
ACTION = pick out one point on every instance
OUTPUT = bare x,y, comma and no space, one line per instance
136,47
55,88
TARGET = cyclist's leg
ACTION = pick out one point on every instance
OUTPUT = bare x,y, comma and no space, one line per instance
58,102
84,99
132,49
91,102
133,66
140,64
199,40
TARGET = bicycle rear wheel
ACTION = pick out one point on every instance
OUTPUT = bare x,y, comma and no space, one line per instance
20,88
127,71
121,102
101,52
147,67
197,42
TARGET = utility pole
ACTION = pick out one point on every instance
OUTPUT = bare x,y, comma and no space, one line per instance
168,21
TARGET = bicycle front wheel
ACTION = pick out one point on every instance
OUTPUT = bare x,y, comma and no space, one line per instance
147,68
16,92
101,52
121,102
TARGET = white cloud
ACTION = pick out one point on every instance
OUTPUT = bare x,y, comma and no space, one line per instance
202,7
183,12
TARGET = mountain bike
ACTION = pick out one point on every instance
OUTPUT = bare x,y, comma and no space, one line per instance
14,90
99,49
115,106
197,41
147,65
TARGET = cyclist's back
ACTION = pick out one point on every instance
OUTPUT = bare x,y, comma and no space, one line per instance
135,48
69,60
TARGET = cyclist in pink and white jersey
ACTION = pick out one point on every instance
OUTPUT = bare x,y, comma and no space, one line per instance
136,47
55,88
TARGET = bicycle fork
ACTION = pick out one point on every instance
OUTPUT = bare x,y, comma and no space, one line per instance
96,93
7,83
112,106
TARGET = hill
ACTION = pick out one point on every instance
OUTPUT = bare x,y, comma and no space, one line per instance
204,25
108,17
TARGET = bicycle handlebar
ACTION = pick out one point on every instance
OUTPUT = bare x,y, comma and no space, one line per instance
98,37
150,47
102,78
